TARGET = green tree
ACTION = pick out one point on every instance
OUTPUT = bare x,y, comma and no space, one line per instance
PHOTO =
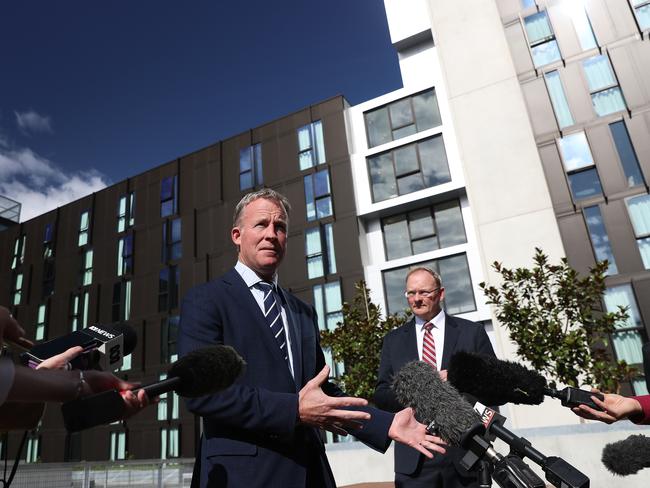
357,342
555,318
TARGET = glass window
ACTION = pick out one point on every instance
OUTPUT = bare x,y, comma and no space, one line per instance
118,446
402,118
168,284
87,268
319,250
126,212
125,255
626,153
19,252
48,242
169,443
250,167
599,238
606,95
318,195
33,449
423,230
18,289
168,339
121,301
169,196
581,23
84,228
527,4
642,13
639,210
579,165
408,169
558,99
311,145
172,244
328,304
541,39
41,323
454,270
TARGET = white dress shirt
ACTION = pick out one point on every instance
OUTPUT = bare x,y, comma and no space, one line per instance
438,332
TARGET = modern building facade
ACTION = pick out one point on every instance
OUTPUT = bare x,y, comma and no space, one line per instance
520,124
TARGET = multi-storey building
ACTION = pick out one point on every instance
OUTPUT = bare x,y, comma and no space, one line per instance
520,124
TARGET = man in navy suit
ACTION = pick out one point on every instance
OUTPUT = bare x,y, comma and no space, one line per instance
263,430
433,337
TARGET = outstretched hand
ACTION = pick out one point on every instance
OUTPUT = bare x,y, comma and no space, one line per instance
407,430
321,410
615,407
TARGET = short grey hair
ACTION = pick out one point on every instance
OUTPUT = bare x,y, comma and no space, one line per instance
426,269
267,194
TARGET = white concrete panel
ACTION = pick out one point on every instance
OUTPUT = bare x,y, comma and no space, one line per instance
406,22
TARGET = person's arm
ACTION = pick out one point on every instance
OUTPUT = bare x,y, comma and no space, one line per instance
614,407
642,417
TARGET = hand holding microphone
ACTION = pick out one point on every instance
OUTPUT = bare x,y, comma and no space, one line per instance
612,407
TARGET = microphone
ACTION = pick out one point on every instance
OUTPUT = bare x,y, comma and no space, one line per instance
645,350
201,372
497,382
627,456
104,347
419,386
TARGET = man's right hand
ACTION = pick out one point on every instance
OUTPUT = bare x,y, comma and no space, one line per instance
320,410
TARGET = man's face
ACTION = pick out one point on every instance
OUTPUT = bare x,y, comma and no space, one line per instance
424,295
261,235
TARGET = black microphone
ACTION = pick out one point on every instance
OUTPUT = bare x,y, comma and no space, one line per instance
627,456
199,373
419,386
104,347
497,382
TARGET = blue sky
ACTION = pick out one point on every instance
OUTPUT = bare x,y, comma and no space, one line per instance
94,92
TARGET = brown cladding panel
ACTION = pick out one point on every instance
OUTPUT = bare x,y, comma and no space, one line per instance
508,8
540,110
577,93
621,237
519,47
601,21
609,168
565,33
556,178
632,77
639,127
622,18
576,242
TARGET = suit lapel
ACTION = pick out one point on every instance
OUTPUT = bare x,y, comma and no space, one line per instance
409,342
452,332
293,317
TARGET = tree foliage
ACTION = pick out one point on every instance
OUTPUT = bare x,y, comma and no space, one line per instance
357,342
555,318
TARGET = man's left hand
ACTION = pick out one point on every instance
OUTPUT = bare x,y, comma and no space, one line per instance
443,374
407,430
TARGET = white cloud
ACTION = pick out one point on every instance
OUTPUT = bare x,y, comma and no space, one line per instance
39,184
31,121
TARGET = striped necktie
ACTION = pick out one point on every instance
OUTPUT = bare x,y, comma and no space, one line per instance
273,316
429,346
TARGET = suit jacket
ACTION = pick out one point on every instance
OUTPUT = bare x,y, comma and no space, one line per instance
250,432
399,348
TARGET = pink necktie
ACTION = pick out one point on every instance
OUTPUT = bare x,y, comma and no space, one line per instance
429,346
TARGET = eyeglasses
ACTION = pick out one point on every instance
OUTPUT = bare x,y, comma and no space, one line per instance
422,293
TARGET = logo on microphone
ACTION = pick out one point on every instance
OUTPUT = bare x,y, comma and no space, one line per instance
486,414
102,332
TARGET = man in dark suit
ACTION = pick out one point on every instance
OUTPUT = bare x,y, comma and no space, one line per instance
263,430
433,337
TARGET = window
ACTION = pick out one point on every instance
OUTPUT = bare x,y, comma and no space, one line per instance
169,196
628,338
642,13
168,283
318,195
639,210
599,238
168,406
250,167
33,449
311,145
328,304
79,306
576,11
606,95
121,309
171,240
125,255
41,323
87,268
527,4
127,362
580,166
558,99
454,270
17,292
169,443
319,249
423,230
126,212
19,252
402,118
408,169
541,39
168,338
84,228
48,242
626,153
118,446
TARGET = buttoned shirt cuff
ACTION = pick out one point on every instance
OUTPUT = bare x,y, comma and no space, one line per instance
6,378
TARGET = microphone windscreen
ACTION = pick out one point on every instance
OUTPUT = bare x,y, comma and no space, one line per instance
493,381
419,386
207,370
627,456
129,337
